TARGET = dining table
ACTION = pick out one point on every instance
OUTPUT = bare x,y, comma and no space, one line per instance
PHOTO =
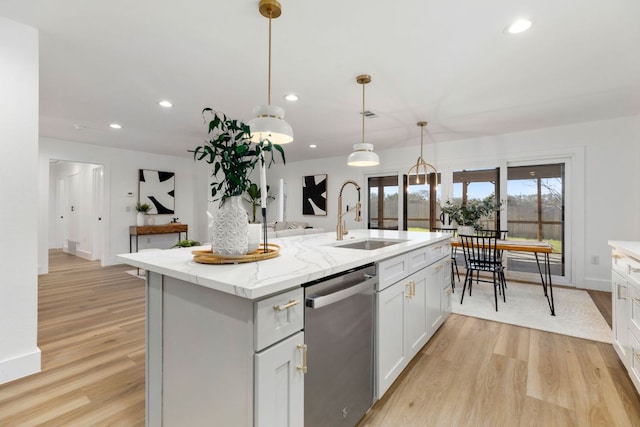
530,246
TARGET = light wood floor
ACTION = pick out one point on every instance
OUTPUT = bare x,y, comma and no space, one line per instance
91,334
472,373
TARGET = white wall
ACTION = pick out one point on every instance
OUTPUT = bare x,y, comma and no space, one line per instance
19,353
120,177
603,182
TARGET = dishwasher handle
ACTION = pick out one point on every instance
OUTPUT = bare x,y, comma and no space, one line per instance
325,300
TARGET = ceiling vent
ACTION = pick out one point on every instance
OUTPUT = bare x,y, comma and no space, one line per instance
369,114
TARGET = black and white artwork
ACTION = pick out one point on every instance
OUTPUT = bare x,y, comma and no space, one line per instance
157,188
314,195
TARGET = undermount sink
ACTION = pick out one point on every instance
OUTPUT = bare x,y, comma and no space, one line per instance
369,244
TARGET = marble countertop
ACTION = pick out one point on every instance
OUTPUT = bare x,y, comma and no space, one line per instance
302,259
629,248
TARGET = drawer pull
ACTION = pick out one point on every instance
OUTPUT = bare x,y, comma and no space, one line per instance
437,248
438,267
633,270
618,291
617,256
636,354
449,291
303,368
287,306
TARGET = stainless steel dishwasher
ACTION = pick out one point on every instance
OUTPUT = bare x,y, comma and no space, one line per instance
338,386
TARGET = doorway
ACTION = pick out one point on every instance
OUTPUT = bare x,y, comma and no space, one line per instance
76,203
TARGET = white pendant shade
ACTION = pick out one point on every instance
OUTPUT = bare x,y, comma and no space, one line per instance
269,124
363,155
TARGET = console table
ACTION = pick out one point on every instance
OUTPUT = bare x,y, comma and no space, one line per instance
144,230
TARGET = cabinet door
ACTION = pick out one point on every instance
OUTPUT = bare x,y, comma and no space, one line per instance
620,315
390,348
435,310
279,384
416,312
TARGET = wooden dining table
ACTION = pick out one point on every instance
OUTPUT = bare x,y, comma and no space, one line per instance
529,246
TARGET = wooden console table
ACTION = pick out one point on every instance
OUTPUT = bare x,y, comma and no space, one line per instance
144,230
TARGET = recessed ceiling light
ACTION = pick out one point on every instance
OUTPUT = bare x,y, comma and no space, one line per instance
166,104
313,146
115,126
291,97
519,26
79,127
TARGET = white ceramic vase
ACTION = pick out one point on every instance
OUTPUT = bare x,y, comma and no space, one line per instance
466,230
230,228
140,219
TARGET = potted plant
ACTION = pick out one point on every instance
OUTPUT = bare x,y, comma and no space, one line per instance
233,157
469,214
253,195
143,209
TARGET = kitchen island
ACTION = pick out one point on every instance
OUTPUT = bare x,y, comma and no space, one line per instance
225,343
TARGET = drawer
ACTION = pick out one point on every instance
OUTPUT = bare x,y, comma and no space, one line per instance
633,296
392,270
633,270
619,263
427,255
277,317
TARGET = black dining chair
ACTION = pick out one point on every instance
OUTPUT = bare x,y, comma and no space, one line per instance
500,235
481,255
454,263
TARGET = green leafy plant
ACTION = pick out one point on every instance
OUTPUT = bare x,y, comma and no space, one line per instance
143,207
231,152
253,196
186,243
470,213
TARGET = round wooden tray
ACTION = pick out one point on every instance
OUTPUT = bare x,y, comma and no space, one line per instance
208,257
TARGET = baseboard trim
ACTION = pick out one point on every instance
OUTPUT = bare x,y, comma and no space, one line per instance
85,255
21,366
597,285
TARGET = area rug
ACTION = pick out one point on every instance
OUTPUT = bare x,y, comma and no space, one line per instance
576,314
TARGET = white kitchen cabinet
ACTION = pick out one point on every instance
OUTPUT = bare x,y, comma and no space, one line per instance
408,313
218,359
619,310
279,386
625,298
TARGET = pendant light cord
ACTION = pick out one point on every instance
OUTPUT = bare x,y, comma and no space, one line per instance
363,84
269,73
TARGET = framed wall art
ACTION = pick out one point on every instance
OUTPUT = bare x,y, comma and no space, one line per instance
314,195
158,189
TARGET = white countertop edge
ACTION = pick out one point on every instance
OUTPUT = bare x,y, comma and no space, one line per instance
302,259
629,248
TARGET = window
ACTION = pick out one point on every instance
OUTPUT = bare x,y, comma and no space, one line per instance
383,202
478,185
422,202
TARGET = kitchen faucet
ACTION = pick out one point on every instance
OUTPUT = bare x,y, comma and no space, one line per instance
341,229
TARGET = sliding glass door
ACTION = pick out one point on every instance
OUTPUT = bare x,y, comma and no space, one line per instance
536,212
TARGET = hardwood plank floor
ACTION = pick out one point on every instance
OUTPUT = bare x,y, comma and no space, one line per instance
91,334
472,373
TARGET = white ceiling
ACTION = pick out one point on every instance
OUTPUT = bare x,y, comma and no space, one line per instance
447,62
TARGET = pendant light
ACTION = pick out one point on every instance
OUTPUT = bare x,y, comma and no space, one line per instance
269,121
420,162
363,154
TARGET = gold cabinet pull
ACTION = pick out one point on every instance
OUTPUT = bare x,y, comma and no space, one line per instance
633,270
303,368
449,291
438,267
408,295
617,256
636,354
618,290
287,306
413,289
